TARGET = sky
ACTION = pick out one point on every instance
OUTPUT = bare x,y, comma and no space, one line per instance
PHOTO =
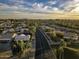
39,9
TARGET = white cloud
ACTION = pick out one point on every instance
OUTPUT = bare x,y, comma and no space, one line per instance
36,8
76,8
2,6
71,6
37,5
55,9
18,3
76,0
40,7
5,7
52,2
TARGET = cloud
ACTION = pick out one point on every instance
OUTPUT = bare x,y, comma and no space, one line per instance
20,2
17,1
76,8
9,9
64,5
52,2
71,6
76,0
25,7
2,6
40,7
